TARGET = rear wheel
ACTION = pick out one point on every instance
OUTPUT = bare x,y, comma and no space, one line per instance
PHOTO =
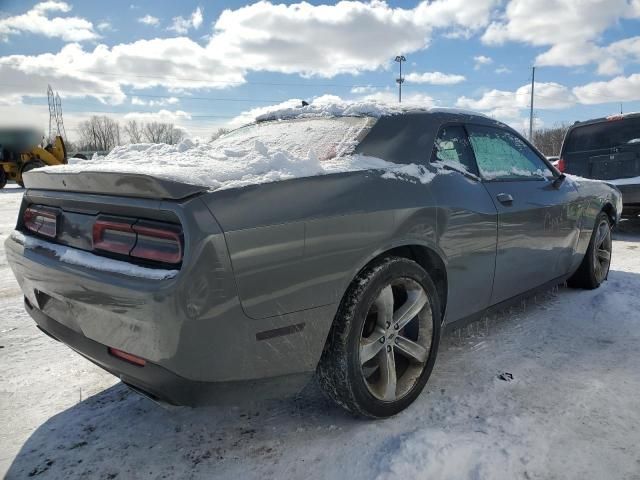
384,341
595,266
30,165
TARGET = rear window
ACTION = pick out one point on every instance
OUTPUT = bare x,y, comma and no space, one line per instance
326,138
604,135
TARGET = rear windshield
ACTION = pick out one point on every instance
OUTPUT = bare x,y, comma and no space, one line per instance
325,138
604,135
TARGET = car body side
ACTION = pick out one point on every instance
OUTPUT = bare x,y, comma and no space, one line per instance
266,266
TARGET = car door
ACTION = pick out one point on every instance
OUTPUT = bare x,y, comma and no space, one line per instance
537,226
467,223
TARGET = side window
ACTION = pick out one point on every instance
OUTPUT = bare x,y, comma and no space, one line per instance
502,155
452,147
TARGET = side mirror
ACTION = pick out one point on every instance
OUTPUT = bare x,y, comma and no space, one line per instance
558,181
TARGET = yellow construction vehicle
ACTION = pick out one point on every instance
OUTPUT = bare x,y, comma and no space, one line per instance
21,151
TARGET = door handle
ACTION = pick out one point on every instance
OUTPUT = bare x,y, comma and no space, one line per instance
505,198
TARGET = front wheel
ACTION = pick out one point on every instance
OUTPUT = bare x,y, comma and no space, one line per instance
384,342
594,268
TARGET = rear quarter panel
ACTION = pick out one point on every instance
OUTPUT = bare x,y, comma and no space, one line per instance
298,244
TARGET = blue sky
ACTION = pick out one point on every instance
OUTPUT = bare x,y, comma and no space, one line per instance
189,63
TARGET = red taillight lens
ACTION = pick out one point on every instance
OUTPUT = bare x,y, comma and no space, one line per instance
157,243
41,221
561,165
113,236
154,241
141,362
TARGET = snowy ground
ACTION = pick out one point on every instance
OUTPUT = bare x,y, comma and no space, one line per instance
572,410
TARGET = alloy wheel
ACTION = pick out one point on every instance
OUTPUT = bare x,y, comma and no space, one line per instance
396,339
602,251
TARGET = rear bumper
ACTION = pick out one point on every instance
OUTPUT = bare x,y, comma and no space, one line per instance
162,385
199,345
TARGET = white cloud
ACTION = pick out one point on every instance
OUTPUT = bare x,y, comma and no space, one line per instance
36,21
105,27
102,72
149,20
502,69
501,103
361,89
481,60
326,40
435,78
555,96
158,102
182,25
391,96
348,37
569,28
165,116
619,89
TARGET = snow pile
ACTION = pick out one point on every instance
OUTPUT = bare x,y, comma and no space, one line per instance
255,154
73,256
336,107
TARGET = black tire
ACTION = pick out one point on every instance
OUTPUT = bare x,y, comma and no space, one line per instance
594,268
348,381
30,165
81,156
3,177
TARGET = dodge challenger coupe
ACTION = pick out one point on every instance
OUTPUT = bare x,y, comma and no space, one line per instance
192,293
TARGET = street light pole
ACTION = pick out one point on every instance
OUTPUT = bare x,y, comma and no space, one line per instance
400,79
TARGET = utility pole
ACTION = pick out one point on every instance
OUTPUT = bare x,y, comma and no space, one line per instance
533,79
621,108
400,79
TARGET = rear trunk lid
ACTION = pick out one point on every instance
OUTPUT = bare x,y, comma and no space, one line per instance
111,183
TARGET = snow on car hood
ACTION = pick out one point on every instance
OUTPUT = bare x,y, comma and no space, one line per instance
258,153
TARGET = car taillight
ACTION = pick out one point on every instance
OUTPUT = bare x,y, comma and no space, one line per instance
113,236
561,165
41,221
153,241
157,243
127,357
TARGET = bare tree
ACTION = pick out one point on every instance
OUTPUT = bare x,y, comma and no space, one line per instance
218,133
133,129
549,140
99,133
157,132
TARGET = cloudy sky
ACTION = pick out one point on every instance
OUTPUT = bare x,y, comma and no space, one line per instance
206,64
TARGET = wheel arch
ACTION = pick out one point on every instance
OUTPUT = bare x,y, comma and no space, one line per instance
426,256
610,210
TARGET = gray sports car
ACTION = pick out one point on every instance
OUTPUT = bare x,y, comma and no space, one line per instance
191,294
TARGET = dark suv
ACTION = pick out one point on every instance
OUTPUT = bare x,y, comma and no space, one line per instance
606,149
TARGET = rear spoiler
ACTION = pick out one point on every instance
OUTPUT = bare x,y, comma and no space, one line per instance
111,183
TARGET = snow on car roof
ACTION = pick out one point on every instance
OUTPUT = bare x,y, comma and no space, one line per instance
353,109
254,154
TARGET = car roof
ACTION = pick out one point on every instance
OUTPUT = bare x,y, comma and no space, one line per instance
358,109
610,118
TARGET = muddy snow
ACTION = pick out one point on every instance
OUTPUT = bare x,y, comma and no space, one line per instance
549,389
